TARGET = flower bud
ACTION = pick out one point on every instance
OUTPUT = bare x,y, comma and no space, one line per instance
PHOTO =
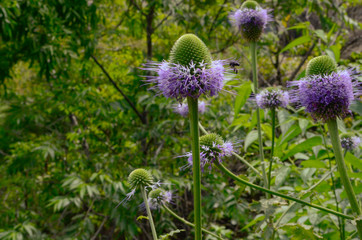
140,178
349,141
321,65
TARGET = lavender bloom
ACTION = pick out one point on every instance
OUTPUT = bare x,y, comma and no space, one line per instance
350,143
325,97
183,108
158,197
272,98
251,22
178,81
209,154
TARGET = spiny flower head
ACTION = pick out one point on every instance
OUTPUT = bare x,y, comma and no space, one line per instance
140,178
321,65
327,94
183,109
159,196
272,98
251,19
350,141
212,148
190,71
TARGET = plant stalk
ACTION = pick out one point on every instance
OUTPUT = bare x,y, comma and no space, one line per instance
195,146
188,223
272,146
337,148
255,81
150,219
236,178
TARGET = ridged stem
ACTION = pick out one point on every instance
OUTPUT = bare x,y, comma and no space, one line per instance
150,219
188,223
272,146
337,148
236,178
195,146
255,81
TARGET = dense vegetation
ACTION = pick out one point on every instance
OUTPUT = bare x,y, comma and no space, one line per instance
76,118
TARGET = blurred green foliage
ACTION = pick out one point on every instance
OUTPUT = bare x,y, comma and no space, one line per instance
69,138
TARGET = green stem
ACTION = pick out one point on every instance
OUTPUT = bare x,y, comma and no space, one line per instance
272,146
150,219
236,178
188,223
235,154
255,81
336,144
195,146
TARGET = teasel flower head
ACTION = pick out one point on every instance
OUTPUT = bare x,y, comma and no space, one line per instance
183,109
140,178
212,148
190,72
272,98
251,19
326,93
349,141
159,196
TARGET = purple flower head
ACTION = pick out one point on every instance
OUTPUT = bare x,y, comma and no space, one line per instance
212,148
179,81
183,108
272,98
326,97
251,21
350,142
158,197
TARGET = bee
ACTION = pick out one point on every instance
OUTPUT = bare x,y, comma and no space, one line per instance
234,64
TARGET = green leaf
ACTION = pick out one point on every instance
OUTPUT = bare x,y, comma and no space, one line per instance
282,175
250,138
321,34
356,162
356,106
304,146
141,218
244,92
296,42
300,232
313,164
257,219
170,234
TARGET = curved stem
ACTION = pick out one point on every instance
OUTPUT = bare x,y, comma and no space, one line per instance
188,223
236,178
272,146
255,81
336,144
150,219
235,154
195,145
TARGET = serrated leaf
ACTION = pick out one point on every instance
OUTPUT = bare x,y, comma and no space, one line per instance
296,42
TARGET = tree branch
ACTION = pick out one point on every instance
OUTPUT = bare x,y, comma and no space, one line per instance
216,17
165,18
119,90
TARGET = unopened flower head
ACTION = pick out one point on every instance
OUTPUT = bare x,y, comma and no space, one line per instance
272,98
212,148
190,71
140,178
326,96
183,109
251,19
158,197
350,141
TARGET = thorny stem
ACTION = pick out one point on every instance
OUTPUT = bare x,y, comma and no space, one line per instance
336,144
150,219
195,145
235,154
272,146
255,81
236,178
188,223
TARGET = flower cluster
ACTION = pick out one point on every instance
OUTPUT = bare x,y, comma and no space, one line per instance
350,142
179,81
159,196
183,108
212,148
251,19
325,97
272,98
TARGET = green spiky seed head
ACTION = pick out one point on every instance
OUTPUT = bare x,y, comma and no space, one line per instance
250,4
210,139
190,48
156,193
140,178
321,65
